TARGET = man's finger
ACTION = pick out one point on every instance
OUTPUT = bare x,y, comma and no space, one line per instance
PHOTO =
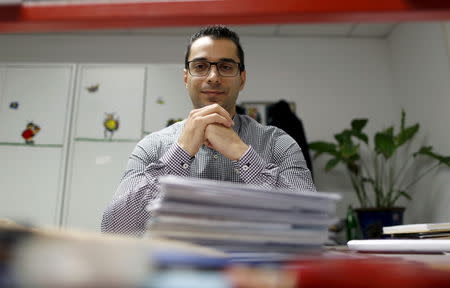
215,118
214,108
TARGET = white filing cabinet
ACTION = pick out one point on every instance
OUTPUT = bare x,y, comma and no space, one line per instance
97,163
32,176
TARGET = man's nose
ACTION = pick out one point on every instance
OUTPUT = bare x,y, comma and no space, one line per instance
213,74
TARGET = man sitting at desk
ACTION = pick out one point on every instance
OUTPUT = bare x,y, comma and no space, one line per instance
213,142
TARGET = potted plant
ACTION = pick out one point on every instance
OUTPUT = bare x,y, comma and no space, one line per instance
379,176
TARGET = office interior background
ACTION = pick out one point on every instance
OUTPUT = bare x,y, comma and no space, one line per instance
333,73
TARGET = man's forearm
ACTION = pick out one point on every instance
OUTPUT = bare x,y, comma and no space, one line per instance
131,208
291,172
129,213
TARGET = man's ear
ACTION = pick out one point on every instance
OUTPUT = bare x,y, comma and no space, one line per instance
185,77
243,79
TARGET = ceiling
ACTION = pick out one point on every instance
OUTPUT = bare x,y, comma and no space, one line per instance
379,30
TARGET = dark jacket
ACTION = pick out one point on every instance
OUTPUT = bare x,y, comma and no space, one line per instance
280,115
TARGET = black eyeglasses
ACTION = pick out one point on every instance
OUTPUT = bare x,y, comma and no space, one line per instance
200,68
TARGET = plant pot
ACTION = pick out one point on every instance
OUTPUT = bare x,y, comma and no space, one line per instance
372,220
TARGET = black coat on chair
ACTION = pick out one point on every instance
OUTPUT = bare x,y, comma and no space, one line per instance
280,115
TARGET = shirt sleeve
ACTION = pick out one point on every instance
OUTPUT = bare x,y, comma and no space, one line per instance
286,169
130,209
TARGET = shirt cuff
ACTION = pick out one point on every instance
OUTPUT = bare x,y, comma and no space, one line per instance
249,166
177,160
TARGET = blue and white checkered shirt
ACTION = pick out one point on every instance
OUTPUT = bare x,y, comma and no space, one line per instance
273,160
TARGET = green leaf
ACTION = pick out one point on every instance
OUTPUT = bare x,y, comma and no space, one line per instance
384,143
406,134
361,136
332,163
345,137
425,150
359,124
428,151
324,147
349,150
389,131
406,195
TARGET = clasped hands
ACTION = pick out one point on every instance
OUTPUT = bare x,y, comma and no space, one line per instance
211,126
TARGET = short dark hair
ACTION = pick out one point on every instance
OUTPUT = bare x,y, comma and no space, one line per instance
217,32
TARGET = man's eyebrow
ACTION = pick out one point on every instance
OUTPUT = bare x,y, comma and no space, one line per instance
199,59
220,60
228,60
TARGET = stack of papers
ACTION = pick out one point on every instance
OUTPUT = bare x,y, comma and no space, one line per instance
401,245
411,238
238,218
419,231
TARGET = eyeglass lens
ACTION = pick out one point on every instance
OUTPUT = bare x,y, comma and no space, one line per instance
202,68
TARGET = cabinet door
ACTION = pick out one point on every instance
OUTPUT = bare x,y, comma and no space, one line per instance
31,184
166,96
32,175
97,169
116,90
41,96
98,160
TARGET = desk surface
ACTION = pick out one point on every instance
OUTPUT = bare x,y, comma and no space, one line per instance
128,262
441,260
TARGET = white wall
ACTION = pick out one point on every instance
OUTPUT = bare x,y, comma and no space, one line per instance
421,74
332,80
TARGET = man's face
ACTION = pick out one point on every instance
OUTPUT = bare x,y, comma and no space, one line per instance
214,88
